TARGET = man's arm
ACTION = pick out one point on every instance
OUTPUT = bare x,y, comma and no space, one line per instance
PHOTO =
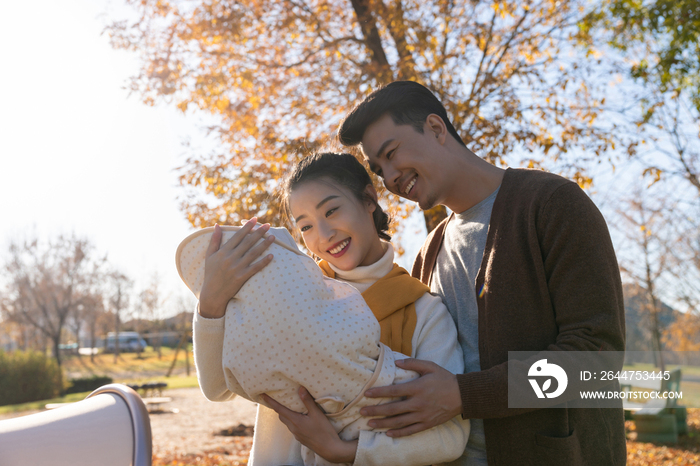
431,400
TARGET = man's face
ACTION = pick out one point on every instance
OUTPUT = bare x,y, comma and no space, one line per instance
404,159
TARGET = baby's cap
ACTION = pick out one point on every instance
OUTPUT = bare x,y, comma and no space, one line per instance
192,252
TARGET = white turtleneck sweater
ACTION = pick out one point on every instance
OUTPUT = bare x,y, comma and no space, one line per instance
434,339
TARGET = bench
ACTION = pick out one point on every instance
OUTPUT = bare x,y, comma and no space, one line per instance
660,419
152,388
153,403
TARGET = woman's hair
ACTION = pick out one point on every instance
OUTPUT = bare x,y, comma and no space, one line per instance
343,169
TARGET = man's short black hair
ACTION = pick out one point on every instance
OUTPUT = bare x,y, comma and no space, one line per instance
408,103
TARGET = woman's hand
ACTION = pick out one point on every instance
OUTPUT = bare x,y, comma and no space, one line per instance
314,430
227,267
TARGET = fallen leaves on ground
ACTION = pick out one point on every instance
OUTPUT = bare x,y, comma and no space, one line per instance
240,430
208,459
685,452
233,454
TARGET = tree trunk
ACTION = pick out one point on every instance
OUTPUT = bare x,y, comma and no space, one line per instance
77,338
651,296
57,355
394,21
187,358
183,340
656,332
372,40
57,350
138,330
93,332
116,336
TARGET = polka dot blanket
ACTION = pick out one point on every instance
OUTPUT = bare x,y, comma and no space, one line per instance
289,325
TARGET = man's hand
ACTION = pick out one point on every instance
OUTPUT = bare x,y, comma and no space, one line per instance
314,430
228,266
428,401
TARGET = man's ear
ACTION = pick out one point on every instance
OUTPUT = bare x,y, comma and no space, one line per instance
435,126
371,204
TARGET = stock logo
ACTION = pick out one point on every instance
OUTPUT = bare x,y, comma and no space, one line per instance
543,369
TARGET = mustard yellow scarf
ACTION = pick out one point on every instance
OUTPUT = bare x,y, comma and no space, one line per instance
392,301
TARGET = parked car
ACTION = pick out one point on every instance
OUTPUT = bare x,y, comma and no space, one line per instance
128,342
69,348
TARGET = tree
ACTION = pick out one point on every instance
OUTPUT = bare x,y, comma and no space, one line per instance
183,325
647,258
655,48
120,286
93,311
89,308
666,31
277,76
46,282
657,44
151,304
683,334
687,259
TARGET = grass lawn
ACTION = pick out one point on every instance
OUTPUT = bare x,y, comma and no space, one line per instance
130,368
133,365
37,405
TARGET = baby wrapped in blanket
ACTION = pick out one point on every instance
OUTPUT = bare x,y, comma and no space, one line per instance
289,325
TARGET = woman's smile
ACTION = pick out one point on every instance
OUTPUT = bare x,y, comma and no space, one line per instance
339,248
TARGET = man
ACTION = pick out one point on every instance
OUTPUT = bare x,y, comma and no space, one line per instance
525,263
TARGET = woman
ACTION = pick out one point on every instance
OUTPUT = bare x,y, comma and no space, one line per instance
333,204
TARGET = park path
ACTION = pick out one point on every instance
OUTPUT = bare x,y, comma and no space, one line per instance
192,429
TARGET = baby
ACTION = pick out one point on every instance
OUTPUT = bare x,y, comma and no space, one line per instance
289,325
